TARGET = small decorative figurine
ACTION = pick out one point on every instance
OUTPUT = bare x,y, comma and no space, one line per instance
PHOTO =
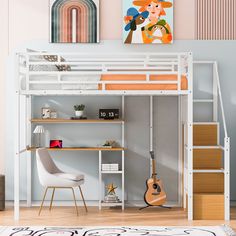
110,144
111,194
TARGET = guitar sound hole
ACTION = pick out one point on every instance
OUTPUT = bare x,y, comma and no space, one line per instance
157,187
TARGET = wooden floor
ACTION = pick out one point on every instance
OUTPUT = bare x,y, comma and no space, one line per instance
66,216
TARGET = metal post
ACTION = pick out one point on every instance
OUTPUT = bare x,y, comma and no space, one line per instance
227,177
27,73
28,154
17,144
100,180
180,190
123,180
123,154
215,95
184,169
190,137
123,124
151,130
179,74
17,160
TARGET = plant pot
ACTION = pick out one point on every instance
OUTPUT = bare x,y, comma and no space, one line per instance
79,113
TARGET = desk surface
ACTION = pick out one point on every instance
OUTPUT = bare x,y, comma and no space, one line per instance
80,149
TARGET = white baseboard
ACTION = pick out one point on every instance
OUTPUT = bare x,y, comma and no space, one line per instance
137,203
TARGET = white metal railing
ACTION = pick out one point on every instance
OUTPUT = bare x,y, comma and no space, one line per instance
226,144
216,73
150,64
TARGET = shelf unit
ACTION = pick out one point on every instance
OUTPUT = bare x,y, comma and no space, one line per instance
100,151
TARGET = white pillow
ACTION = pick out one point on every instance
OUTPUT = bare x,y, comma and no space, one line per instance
39,58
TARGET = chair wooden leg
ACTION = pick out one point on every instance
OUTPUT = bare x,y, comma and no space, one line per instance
75,202
81,193
53,192
41,206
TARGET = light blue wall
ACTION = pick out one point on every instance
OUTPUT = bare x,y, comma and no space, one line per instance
137,158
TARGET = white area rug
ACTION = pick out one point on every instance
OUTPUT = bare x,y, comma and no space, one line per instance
117,231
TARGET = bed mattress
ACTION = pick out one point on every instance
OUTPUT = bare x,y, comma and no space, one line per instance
148,86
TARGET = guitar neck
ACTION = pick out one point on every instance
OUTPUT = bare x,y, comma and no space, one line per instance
154,174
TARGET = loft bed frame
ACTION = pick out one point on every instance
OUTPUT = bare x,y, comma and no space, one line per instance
149,65
32,82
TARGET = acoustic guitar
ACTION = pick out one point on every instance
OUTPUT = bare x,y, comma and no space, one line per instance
155,195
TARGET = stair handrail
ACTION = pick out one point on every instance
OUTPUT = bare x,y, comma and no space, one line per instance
220,98
226,148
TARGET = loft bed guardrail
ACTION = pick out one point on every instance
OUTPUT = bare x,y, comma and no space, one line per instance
76,73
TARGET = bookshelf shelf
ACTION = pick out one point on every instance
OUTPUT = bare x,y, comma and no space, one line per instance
70,121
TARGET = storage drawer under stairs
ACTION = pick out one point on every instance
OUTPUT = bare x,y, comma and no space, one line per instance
205,134
208,206
208,177
208,182
207,158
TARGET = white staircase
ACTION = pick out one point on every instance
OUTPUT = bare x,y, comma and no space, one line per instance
211,158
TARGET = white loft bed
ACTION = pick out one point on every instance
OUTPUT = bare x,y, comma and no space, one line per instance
151,74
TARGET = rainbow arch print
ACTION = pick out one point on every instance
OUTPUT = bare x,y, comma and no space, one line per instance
74,21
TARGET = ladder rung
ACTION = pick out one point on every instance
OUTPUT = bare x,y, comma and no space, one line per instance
208,147
209,171
203,100
203,62
205,123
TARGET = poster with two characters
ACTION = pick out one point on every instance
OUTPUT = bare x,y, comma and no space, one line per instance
148,21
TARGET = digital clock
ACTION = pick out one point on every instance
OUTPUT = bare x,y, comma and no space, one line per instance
108,114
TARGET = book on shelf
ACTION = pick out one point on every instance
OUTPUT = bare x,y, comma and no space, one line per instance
110,167
104,146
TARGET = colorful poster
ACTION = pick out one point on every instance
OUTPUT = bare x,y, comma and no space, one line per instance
74,21
148,21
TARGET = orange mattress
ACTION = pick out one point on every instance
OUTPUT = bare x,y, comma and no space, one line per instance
184,82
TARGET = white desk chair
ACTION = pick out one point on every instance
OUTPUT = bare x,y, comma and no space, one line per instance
52,177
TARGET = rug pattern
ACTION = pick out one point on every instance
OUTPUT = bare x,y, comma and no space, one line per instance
117,231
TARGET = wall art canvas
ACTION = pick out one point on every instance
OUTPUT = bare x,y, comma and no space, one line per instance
74,21
148,21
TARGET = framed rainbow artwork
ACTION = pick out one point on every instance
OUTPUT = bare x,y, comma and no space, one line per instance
148,21
74,21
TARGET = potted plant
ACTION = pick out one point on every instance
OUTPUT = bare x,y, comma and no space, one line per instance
79,110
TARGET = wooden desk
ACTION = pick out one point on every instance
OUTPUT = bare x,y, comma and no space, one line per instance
100,171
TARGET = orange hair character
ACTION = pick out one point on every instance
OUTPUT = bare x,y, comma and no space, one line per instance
144,3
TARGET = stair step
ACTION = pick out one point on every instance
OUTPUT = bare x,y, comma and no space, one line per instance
208,206
207,158
205,134
208,182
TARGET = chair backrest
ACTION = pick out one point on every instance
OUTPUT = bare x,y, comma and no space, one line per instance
45,165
